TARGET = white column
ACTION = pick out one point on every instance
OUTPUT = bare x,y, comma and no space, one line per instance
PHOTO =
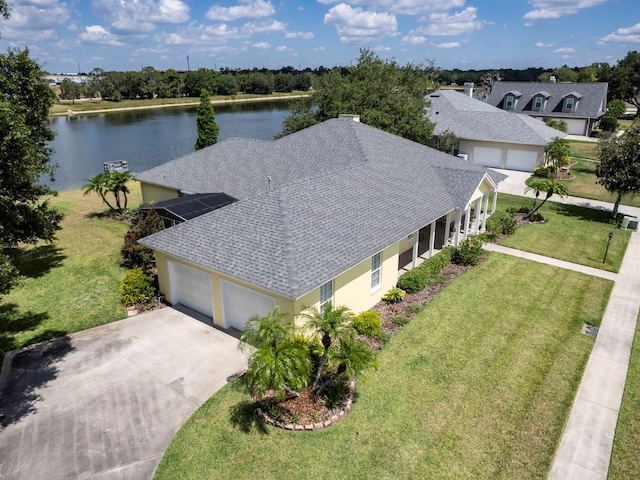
432,237
416,239
495,199
484,211
467,221
476,210
458,226
447,230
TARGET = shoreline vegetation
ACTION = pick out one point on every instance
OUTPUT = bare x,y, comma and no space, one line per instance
88,106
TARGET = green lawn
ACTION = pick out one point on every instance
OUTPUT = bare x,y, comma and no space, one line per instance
72,284
88,106
584,184
478,385
571,233
625,459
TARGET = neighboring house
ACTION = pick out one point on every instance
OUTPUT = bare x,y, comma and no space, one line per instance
580,105
328,214
490,137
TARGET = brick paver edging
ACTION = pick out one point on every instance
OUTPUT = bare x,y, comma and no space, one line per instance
298,427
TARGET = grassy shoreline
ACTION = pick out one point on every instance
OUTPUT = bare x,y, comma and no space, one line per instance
102,106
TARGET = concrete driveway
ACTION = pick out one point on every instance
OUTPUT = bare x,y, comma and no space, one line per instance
106,402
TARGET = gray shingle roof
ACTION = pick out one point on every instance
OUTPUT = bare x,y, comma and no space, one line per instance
357,191
472,119
592,96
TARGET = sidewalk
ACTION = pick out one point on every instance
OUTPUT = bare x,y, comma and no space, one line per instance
584,452
514,185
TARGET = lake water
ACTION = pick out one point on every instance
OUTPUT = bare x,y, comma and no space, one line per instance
147,138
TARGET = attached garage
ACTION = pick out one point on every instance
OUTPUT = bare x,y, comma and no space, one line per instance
487,157
575,126
522,160
240,303
191,287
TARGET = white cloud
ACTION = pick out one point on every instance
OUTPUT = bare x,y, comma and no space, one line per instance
444,24
357,25
140,16
447,45
261,45
565,50
98,35
623,35
200,35
548,9
545,45
381,48
414,40
283,48
319,49
303,35
35,20
252,28
245,9
403,7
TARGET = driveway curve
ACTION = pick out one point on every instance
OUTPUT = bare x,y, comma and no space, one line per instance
105,403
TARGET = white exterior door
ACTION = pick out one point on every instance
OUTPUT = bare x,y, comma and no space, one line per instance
487,157
522,160
240,303
191,287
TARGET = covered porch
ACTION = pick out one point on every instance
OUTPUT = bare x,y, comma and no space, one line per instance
449,229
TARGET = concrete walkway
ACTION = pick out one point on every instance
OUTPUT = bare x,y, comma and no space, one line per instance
585,448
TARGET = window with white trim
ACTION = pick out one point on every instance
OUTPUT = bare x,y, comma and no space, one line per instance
376,265
568,103
326,295
537,103
508,102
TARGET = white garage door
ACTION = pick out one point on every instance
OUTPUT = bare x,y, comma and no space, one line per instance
240,303
521,160
487,157
191,287
575,127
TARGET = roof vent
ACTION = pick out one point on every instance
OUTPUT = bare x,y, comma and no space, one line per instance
347,116
269,182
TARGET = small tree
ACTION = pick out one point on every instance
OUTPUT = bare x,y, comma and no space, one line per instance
69,90
558,151
550,187
446,142
558,125
113,182
98,184
619,168
132,254
208,129
616,108
278,362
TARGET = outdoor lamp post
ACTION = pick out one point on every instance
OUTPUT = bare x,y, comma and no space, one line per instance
607,249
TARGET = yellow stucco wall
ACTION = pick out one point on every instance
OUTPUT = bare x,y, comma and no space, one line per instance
154,193
406,243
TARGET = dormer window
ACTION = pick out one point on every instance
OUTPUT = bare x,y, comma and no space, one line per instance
537,103
509,101
569,103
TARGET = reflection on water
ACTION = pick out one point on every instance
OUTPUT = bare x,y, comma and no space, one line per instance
147,138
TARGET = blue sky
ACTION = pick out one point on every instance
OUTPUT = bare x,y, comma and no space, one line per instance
128,34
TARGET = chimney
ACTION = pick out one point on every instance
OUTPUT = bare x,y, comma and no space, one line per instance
347,116
552,79
468,89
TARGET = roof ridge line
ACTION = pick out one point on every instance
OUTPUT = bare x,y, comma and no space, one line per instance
287,239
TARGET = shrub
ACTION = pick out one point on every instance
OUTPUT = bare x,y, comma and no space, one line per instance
537,217
416,280
400,320
609,123
543,172
501,223
596,133
134,255
136,288
558,125
514,210
469,251
616,108
413,281
367,323
394,295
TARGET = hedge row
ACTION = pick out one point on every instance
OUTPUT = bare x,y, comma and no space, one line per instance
416,280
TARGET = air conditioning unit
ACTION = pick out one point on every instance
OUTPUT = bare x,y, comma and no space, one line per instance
463,156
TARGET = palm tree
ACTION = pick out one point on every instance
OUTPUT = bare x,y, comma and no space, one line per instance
332,324
550,187
558,151
279,362
353,357
117,183
98,184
